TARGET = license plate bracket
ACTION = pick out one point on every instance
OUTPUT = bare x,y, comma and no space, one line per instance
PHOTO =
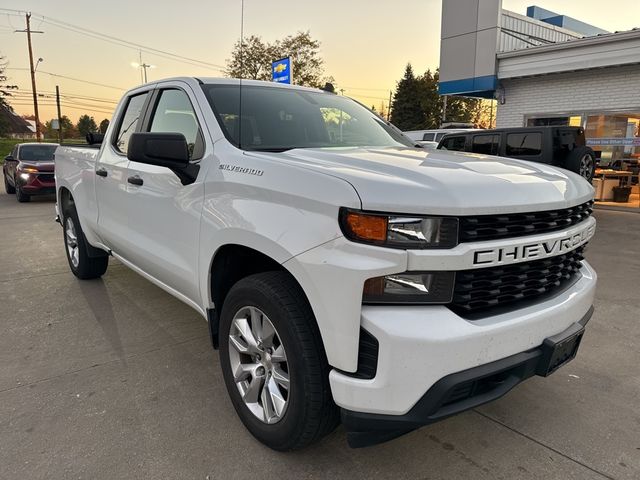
560,349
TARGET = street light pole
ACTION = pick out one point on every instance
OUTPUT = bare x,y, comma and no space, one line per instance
32,68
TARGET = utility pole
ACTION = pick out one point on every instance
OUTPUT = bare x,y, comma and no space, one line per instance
389,107
59,116
28,31
144,67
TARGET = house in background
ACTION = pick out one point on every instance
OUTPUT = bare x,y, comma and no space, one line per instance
16,126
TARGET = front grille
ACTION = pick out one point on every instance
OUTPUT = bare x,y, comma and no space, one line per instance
494,287
492,227
46,177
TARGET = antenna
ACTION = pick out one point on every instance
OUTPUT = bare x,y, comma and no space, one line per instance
241,73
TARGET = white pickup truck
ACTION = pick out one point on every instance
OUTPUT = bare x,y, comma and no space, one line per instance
344,273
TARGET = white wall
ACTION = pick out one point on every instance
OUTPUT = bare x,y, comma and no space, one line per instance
613,88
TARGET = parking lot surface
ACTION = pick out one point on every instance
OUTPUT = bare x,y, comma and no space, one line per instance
114,378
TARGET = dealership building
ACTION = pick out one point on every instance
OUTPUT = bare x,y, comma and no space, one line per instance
544,68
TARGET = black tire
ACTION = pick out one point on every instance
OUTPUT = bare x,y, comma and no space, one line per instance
87,267
21,196
8,188
311,413
582,160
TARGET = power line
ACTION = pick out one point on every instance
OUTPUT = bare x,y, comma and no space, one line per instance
121,42
72,78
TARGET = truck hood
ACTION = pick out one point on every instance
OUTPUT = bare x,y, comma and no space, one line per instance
408,180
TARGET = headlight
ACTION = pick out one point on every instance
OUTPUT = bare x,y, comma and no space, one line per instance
27,169
24,176
399,231
410,287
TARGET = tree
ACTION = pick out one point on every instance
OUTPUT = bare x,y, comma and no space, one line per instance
417,104
253,59
86,124
4,93
68,130
104,124
407,112
5,89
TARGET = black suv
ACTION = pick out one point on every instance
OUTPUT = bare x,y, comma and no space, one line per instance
560,146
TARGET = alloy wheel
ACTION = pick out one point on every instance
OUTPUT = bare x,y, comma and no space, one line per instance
71,239
586,166
259,364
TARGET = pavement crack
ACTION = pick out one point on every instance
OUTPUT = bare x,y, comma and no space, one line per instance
538,442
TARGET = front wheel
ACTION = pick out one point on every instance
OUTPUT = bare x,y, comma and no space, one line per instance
274,364
21,196
8,188
82,265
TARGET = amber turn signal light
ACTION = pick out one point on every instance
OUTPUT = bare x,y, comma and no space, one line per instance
366,227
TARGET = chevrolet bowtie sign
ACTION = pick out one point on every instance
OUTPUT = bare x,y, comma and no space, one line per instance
281,70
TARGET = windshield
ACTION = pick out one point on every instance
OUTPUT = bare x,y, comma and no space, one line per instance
278,119
36,153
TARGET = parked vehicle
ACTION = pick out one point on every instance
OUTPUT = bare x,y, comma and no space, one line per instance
434,135
28,170
343,272
559,146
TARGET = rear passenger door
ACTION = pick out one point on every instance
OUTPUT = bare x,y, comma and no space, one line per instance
110,175
164,215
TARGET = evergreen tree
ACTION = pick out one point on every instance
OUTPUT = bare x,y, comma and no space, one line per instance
406,112
104,124
86,124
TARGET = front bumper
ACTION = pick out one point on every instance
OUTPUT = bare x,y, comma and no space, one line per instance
464,390
37,183
419,346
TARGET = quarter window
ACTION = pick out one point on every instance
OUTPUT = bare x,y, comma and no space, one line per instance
174,114
130,121
521,144
485,144
454,143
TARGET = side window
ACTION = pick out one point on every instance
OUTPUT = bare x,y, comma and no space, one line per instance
428,137
454,143
519,144
485,144
129,121
174,114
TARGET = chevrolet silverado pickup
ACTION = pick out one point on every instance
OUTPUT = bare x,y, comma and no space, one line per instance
345,274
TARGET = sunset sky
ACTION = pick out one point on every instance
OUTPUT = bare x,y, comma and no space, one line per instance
365,44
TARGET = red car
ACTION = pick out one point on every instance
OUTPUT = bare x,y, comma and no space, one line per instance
28,170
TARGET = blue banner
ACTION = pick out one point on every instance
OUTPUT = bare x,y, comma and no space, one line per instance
281,70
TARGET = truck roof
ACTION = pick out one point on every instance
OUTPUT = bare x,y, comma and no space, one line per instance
232,81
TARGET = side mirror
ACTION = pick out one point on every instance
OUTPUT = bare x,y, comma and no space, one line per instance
163,149
168,150
9,158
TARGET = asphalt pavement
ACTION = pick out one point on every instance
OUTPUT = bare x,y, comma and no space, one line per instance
116,379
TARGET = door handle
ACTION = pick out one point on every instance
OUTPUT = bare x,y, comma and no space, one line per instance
101,172
135,180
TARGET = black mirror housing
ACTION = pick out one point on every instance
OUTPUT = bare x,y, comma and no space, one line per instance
162,149
9,158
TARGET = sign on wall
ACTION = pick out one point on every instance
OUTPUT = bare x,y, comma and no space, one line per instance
281,71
